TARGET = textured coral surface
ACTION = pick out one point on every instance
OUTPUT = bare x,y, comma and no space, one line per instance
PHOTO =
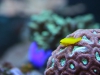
82,58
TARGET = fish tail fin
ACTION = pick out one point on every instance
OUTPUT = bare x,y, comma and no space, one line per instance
79,39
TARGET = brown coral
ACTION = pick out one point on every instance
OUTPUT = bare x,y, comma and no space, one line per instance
82,58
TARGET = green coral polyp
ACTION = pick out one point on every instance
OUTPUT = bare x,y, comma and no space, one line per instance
99,41
84,61
94,32
52,65
62,61
75,47
97,55
72,66
85,38
61,50
94,70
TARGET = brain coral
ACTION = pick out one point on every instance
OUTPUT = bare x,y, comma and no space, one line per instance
82,58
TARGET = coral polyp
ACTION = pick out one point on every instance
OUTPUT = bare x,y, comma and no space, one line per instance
81,58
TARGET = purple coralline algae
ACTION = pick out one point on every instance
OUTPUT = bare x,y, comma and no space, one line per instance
81,58
38,56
